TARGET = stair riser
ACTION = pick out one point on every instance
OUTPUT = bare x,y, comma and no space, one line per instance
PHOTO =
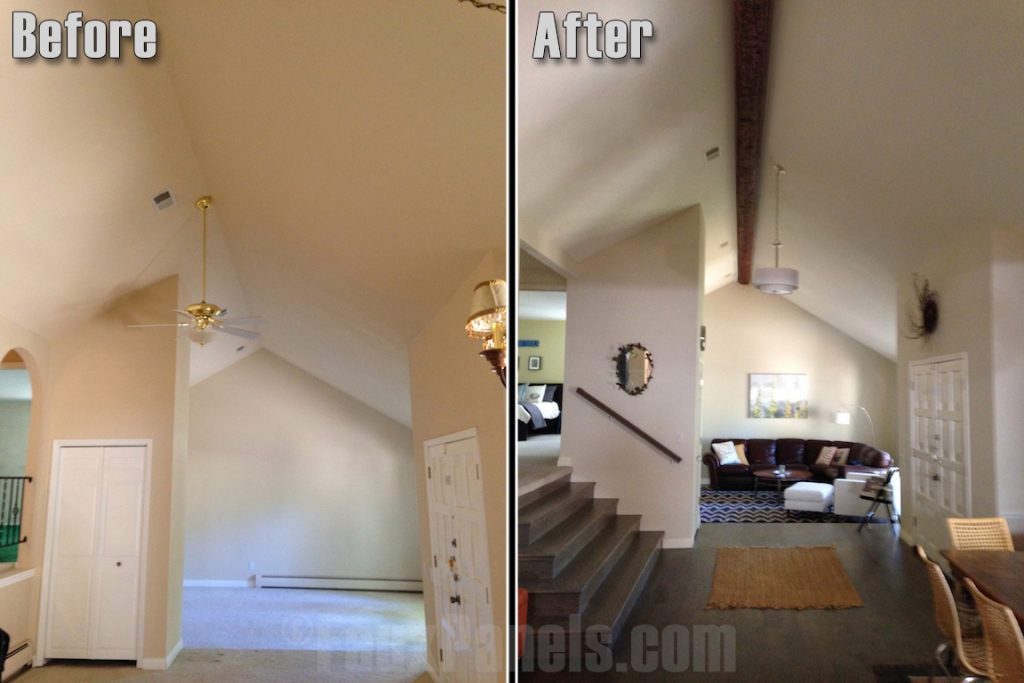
634,597
548,567
528,533
554,604
537,494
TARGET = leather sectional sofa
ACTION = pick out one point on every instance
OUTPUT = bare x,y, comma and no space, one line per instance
795,454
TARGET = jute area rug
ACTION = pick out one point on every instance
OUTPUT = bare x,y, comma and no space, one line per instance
781,578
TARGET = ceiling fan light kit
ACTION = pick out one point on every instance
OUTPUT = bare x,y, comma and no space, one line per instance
777,280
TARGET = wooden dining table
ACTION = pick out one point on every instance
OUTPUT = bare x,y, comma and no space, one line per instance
999,574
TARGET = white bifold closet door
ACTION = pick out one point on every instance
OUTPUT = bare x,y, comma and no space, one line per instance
93,608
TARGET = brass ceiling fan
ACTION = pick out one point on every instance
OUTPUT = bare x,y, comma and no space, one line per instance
204,318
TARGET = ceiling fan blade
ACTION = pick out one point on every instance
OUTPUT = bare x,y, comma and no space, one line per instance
162,325
242,321
238,332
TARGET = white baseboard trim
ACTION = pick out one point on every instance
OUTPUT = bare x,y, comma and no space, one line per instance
433,674
17,662
219,583
161,663
338,583
673,543
1015,520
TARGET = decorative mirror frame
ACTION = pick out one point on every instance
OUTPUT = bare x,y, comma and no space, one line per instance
622,356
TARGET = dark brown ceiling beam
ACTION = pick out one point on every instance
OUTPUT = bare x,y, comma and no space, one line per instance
752,31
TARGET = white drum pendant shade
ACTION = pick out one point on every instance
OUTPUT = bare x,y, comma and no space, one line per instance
776,280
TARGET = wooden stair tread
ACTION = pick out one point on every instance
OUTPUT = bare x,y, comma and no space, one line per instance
610,608
558,538
534,477
554,501
578,576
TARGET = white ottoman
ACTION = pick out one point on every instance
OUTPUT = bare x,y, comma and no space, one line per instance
809,496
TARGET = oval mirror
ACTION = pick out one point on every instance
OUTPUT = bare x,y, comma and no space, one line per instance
633,367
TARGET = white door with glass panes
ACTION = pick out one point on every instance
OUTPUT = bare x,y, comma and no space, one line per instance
940,447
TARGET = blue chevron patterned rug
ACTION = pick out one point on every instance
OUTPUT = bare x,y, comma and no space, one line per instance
758,506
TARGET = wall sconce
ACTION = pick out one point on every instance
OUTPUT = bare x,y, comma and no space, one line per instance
844,415
487,318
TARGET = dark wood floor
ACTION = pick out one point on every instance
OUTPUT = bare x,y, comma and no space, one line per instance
895,626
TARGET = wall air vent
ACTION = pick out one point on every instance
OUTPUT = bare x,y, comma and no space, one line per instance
711,154
163,201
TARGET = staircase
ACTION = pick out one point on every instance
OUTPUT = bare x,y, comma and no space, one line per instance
584,565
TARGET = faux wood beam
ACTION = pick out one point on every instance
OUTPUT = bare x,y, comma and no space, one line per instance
752,30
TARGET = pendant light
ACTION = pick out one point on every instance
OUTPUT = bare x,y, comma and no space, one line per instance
777,280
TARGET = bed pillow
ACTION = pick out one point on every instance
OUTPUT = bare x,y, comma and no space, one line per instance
535,393
841,456
741,453
522,390
726,452
826,455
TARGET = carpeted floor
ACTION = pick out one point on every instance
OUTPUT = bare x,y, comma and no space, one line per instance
253,635
297,619
763,578
246,666
760,507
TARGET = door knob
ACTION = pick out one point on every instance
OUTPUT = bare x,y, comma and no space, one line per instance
455,599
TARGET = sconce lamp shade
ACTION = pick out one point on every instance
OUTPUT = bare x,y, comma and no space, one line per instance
489,307
776,280
487,317
841,417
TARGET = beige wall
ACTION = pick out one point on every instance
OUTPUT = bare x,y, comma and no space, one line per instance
1008,371
110,382
753,332
289,473
551,335
647,289
978,281
453,389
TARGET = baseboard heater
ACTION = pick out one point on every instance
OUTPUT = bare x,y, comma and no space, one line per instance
339,583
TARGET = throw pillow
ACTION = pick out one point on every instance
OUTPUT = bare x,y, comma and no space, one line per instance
841,456
741,453
522,390
826,455
726,452
535,393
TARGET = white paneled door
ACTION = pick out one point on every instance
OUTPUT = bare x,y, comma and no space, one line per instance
95,552
460,567
940,447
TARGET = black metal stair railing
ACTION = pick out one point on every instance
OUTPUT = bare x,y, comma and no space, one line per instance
12,503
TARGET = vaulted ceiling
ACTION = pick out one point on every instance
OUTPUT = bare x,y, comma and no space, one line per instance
899,125
355,152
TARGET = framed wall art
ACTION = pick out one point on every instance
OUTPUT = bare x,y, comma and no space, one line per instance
779,396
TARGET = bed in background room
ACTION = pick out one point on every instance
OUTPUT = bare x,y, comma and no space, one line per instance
539,410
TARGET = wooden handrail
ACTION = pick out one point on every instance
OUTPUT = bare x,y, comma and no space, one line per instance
628,425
